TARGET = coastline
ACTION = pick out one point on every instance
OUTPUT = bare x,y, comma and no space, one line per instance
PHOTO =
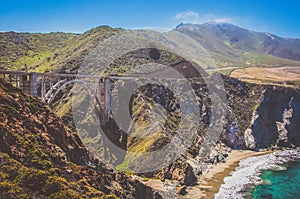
212,179
229,178
249,171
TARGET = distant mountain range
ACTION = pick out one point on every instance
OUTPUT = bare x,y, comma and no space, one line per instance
228,45
231,45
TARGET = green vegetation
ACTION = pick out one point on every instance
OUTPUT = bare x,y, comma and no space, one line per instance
20,51
227,43
16,180
48,52
264,60
124,167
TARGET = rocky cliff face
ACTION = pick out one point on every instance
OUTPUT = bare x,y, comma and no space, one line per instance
257,117
41,158
260,116
276,121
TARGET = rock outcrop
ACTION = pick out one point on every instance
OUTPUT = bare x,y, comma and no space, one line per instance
41,158
276,122
258,117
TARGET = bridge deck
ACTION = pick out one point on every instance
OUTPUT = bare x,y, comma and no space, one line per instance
69,75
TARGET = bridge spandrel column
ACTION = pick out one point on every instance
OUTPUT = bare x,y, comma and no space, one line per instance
43,87
33,85
98,95
17,81
107,96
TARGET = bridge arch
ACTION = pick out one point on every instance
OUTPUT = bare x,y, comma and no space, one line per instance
102,109
54,90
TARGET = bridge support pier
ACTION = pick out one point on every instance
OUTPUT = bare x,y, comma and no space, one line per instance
103,95
28,84
107,98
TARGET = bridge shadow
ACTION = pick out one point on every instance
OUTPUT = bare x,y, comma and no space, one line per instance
114,142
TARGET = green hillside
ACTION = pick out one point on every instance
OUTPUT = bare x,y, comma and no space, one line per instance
27,50
62,52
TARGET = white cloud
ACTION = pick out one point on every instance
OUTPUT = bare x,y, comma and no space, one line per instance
223,20
217,19
157,29
188,17
193,17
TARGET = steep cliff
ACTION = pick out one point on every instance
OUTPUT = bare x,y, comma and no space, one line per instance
257,117
261,116
276,121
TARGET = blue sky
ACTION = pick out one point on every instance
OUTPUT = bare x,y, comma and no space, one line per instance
276,16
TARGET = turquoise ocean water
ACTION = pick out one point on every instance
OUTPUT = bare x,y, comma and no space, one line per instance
283,184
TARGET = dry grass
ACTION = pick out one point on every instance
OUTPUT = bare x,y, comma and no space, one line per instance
278,75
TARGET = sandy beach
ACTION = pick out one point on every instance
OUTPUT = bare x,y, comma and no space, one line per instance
212,179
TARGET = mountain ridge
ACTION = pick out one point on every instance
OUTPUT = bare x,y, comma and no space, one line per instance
237,46
228,45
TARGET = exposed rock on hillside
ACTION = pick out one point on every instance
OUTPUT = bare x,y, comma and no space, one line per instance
275,124
279,106
41,158
263,116
276,121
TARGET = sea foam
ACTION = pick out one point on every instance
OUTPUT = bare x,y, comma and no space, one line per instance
249,170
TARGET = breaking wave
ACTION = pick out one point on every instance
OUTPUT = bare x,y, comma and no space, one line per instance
250,169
